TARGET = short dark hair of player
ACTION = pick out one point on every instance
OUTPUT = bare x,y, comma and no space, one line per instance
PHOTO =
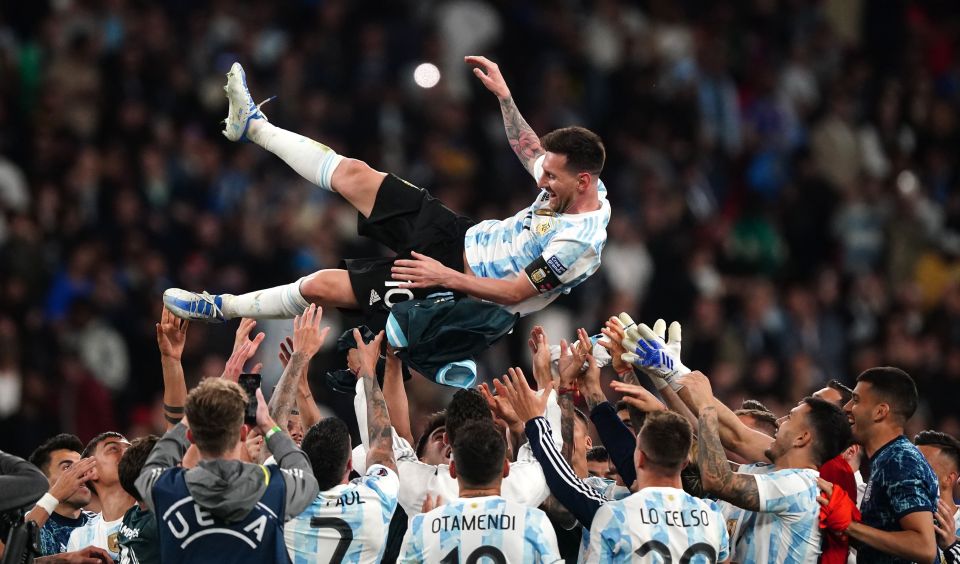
597,454
40,457
132,461
895,388
215,411
765,421
755,405
846,394
434,422
92,445
327,445
478,453
831,428
583,148
948,445
466,405
665,440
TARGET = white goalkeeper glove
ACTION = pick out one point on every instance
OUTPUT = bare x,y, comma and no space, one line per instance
647,350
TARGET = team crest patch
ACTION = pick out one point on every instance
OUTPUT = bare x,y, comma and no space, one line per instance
538,276
556,266
544,228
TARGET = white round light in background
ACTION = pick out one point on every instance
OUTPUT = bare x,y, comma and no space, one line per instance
426,75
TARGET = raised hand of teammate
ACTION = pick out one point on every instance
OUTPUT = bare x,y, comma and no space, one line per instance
308,337
648,350
421,271
171,335
526,403
489,74
540,350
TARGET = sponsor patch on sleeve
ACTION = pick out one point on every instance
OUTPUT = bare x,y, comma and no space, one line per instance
542,275
556,266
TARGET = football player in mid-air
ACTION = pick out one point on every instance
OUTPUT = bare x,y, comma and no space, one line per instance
522,262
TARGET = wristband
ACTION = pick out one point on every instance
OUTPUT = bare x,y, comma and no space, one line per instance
628,370
569,390
273,431
48,503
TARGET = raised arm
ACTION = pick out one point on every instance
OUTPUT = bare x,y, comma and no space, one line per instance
309,412
171,337
739,489
378,417
396,396
523,140
308,337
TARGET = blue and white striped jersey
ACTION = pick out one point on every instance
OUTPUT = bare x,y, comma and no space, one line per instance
99,533
786,529
347,523
569,245
657,525
466,530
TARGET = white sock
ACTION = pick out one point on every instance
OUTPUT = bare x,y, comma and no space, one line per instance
280,302
311,159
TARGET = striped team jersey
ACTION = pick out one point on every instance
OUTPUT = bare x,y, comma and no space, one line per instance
347,523
469,529
658,525
99,533
786,529
566,247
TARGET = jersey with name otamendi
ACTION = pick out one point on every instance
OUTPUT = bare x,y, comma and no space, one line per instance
468,529
556,251
347,523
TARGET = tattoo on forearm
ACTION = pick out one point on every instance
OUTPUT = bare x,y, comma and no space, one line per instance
285,394
566,425
738,489
378,423
523,140
594,398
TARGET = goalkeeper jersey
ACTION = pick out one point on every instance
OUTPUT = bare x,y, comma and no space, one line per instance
481,529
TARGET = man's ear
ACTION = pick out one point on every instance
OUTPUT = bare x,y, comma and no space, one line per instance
349,464
882,411
453,469
243,432
446,439
506,467
190,436
589,442
803,439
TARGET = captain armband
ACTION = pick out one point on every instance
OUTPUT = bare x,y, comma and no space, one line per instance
545,273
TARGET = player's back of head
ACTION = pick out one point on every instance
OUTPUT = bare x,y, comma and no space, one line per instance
466,405
949,446
831,429
132,461
327,445
583,148
893,387
215,411
665,441
478,454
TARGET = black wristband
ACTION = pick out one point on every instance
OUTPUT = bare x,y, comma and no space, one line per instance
173,408
172,420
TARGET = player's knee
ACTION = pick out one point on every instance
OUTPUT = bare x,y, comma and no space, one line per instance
313,287
352,172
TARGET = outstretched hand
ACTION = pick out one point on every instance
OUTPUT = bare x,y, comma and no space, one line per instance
540,349
421,271
308,337
489,74
502,408
240,356
638,396
171,335
526,403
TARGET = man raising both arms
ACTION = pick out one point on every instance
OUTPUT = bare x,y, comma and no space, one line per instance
522,262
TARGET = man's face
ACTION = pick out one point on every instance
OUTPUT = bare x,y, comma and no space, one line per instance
294,429
790,427
624,416
559,182
597,468
860,411
830,395
60,461
108,454
436,450
942,467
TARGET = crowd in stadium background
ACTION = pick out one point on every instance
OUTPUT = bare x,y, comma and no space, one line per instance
783,177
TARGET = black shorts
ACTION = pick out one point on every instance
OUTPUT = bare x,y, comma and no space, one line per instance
404,218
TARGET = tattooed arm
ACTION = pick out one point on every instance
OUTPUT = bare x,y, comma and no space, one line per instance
739,489
523,140
284,396
378,416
